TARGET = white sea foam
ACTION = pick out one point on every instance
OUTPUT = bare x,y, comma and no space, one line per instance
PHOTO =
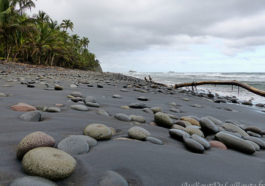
170,78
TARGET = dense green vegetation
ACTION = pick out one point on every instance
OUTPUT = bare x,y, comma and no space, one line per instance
38,39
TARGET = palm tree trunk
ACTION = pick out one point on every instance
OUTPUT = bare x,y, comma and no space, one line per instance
52,59
6,45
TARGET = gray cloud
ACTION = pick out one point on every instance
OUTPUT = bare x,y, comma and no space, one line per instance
126,25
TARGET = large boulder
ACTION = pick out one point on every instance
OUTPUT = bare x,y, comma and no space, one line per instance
49,163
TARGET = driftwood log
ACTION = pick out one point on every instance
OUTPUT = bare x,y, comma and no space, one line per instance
233,83
150,80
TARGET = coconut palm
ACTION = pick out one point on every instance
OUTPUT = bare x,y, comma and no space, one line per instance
38,39
84,42
23,5
67,24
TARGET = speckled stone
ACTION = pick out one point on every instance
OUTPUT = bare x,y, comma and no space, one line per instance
98,131
34,140
138,133
49,163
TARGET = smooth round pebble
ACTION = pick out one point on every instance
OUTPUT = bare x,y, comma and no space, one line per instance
103,112
33,116
254,129
218,144
233,128
139,119
98,131
111,178
117,96
154,140
137,105
156,109
163,119
142,98
208,126
178,134
58,87
191,120
192,130
75,144
122,117
53,109
76,94
23,107
201,140
79,107
34,140
235,142
49,163
193,145
138,133
32,181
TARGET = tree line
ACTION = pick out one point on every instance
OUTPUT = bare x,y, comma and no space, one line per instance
38,39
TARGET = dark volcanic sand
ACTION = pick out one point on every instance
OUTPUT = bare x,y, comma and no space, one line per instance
141,163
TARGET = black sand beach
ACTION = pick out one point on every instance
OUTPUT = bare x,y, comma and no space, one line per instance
139,162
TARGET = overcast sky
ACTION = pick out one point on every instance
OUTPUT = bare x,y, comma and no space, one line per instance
169,35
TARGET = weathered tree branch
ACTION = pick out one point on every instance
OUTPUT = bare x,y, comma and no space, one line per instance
236,83
150,80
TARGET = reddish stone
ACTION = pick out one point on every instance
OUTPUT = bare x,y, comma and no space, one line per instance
59,105
23,107
218,144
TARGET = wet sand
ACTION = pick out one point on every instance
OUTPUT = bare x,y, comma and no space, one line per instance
139,162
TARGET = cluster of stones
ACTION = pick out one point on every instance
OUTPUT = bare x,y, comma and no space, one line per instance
199,134
42,161
45,162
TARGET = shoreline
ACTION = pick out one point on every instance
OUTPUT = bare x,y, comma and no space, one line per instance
219,93
138,162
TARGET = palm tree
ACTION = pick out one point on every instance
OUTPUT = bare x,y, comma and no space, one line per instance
40,40
6,22
23,5
67,24
42,17
84,42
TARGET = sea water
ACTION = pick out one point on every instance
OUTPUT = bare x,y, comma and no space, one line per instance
256,80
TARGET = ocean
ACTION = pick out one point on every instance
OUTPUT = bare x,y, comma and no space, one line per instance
256,80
